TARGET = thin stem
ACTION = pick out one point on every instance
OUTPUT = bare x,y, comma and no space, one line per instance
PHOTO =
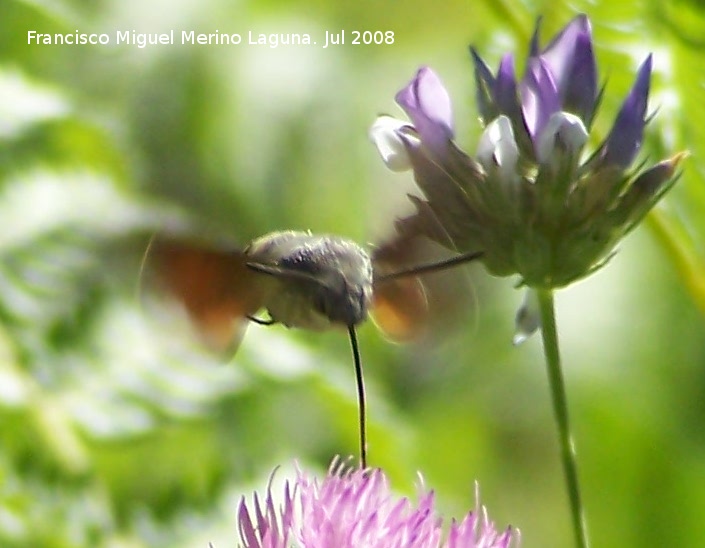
360,381
560,411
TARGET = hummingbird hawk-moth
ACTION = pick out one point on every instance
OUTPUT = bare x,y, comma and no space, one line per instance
301,280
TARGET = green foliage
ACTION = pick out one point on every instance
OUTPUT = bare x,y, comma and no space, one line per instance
118,429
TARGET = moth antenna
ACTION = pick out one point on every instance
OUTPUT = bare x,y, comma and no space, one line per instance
359,379
432,267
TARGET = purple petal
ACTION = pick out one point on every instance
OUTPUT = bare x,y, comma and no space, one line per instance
624,141
505,87
288,510
245,526
559,54
580,95
571,60
259,515
539,97
427,103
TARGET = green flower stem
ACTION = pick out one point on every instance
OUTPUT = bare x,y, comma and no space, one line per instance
560,411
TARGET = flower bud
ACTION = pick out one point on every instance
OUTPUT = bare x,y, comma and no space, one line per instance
497,149
564,133
385,134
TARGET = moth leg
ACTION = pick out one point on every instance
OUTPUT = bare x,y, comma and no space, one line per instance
260,321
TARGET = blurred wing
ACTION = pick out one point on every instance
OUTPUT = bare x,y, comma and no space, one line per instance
216,287
413,306
400,308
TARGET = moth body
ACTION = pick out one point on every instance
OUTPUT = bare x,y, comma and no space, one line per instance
312,282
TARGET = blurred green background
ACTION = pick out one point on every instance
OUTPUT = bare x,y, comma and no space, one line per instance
118,430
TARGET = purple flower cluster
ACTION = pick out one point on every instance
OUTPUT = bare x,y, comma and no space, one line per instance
351,508
531,198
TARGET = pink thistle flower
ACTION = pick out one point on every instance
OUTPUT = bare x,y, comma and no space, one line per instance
351,508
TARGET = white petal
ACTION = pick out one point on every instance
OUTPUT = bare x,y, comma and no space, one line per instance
564,127
528,318
384,133
498,148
